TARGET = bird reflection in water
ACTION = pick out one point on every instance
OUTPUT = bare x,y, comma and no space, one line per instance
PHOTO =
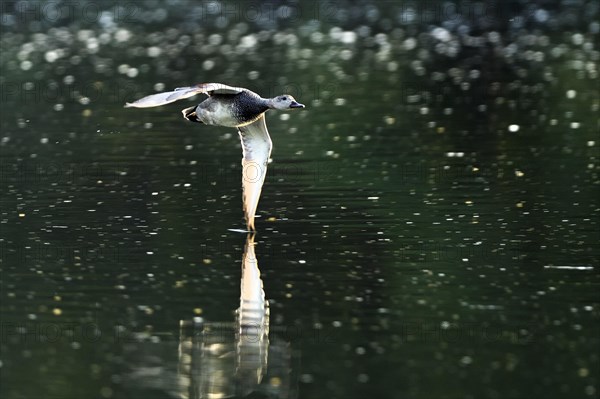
224,360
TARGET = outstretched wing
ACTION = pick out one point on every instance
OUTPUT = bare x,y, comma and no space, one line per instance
256,147
154,100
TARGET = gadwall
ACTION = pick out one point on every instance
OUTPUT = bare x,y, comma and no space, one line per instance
233,107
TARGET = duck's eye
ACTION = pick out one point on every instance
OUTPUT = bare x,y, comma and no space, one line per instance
284,98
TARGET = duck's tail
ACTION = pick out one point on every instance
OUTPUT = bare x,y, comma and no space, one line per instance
190,114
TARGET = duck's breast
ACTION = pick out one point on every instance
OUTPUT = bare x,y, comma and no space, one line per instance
218,110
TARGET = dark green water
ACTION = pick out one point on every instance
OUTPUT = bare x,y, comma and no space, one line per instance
428,227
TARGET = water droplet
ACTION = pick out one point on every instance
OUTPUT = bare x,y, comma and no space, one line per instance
26,65
208,65
153,51
132,72
51,56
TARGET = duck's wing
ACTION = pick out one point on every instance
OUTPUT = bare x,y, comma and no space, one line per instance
256,147
154,100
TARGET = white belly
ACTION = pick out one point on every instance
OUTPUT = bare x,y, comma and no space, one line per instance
218,114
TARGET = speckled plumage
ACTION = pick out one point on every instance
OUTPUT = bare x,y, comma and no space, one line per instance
231,110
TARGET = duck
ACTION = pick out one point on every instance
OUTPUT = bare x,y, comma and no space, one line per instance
238,108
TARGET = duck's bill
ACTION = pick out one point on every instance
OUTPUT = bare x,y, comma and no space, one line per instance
296,105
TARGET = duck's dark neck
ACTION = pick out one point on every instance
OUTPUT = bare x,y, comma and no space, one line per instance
250,106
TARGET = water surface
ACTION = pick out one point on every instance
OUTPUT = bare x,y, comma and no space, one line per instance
428,227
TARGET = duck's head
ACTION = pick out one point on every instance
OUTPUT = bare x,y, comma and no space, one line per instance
285,101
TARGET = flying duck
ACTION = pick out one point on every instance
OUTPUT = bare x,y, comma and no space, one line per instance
233,107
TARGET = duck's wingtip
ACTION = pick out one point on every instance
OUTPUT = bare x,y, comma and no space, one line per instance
128,105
